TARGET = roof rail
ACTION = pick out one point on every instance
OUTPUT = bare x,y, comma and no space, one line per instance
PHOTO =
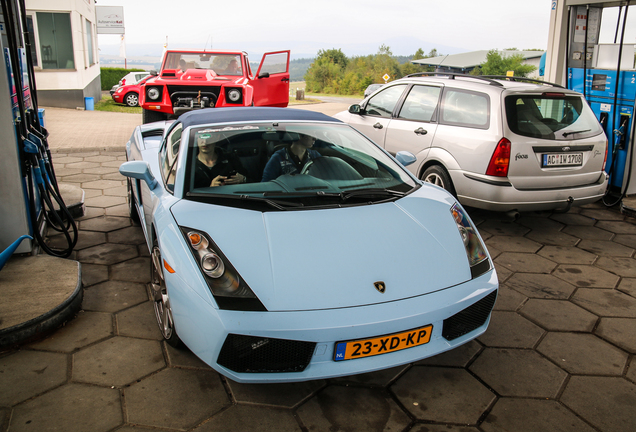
451,75
522,79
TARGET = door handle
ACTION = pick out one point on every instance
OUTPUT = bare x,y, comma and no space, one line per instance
378,125
420,131
284,79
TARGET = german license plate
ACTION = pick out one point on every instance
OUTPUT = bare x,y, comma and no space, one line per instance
562,159
383,344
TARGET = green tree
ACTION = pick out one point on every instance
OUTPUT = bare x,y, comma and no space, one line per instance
496,64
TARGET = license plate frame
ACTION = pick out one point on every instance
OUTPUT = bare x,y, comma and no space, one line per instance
378,345
556,160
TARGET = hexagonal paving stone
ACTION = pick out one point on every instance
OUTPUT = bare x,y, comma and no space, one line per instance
607,403
525,263
539,223
442,428
458,357
567,255
85,239
531,415
607,303
107,254
617,227
90,213
242,418
443,394
586,276
117,361
113,164
93,274
631,372
92,193
625,267
105,201
603,214
619,331
628,240
100,158
512,244
121,191
113,296
588,232
504,228
135,270
381,378
573,219
515,372
628,286
98,170
59,160
508,329
79,178
559,315
105,224
183,357
130,235
508,299
583,354
72,407
85,329
101,184
139,322
550,237
175,398
118,210
502,273
82,165
540,286
286,395
28,373
352,409
605,248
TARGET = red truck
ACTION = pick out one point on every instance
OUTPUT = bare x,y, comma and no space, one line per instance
195,79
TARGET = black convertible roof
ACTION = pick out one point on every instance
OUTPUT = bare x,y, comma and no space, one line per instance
248,114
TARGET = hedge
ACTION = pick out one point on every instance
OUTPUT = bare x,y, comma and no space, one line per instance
111,76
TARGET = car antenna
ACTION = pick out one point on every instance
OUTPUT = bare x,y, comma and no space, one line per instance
206,43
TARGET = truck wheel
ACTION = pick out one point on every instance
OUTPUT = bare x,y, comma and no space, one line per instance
148,116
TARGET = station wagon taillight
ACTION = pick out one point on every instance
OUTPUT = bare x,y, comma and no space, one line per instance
500,160
605,160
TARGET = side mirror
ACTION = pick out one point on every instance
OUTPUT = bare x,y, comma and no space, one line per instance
153,73
139,170
263,75
405,158
355,109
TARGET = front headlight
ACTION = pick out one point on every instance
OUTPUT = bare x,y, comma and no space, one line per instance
153,93
234,95
119,90
475,250
227,287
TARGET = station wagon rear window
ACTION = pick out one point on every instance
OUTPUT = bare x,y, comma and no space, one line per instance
551,117
465,108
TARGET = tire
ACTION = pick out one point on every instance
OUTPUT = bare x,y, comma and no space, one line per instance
437,175
132,210
161,300
148,116
131,99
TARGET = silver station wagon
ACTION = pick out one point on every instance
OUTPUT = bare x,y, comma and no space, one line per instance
496,143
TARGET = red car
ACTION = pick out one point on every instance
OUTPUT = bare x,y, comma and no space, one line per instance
191,80
129,93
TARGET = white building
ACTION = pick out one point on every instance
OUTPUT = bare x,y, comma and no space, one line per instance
64,51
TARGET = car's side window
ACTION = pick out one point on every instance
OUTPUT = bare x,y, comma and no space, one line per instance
465,108
420,104
169,156
383,103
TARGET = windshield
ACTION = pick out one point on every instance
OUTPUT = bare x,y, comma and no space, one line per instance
221,64
557,117
290,165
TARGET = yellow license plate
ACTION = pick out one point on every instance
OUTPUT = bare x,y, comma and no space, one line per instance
382,344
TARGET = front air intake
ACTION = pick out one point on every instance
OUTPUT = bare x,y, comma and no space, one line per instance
467,320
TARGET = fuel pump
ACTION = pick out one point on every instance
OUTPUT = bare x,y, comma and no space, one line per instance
606,75
31,197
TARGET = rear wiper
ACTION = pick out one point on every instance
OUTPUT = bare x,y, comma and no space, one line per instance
277,204
371,193
575,132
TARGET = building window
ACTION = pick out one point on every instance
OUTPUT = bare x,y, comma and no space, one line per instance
89,42
56,40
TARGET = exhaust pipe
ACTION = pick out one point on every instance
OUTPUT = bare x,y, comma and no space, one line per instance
513,214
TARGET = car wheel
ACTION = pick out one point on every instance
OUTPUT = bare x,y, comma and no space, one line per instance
132,210
148,116
438,176
132,99
163,311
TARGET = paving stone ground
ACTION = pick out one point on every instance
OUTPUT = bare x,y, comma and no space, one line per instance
560,354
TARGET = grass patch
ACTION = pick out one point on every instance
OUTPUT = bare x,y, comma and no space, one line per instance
108,104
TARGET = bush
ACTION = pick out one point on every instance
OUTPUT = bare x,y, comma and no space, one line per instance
111,76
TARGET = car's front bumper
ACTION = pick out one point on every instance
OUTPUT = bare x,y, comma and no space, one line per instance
478,192
204,329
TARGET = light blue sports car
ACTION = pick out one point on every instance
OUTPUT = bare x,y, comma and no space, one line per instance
286,246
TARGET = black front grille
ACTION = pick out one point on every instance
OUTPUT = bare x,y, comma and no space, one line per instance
258,354
181,91
469,319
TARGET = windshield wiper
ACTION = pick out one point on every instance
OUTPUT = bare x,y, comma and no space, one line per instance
575,132
279,205
371,193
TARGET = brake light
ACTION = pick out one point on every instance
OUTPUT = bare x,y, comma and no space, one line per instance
554,95
605,159
500,160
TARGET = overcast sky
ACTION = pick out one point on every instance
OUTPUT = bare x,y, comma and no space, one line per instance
356,27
